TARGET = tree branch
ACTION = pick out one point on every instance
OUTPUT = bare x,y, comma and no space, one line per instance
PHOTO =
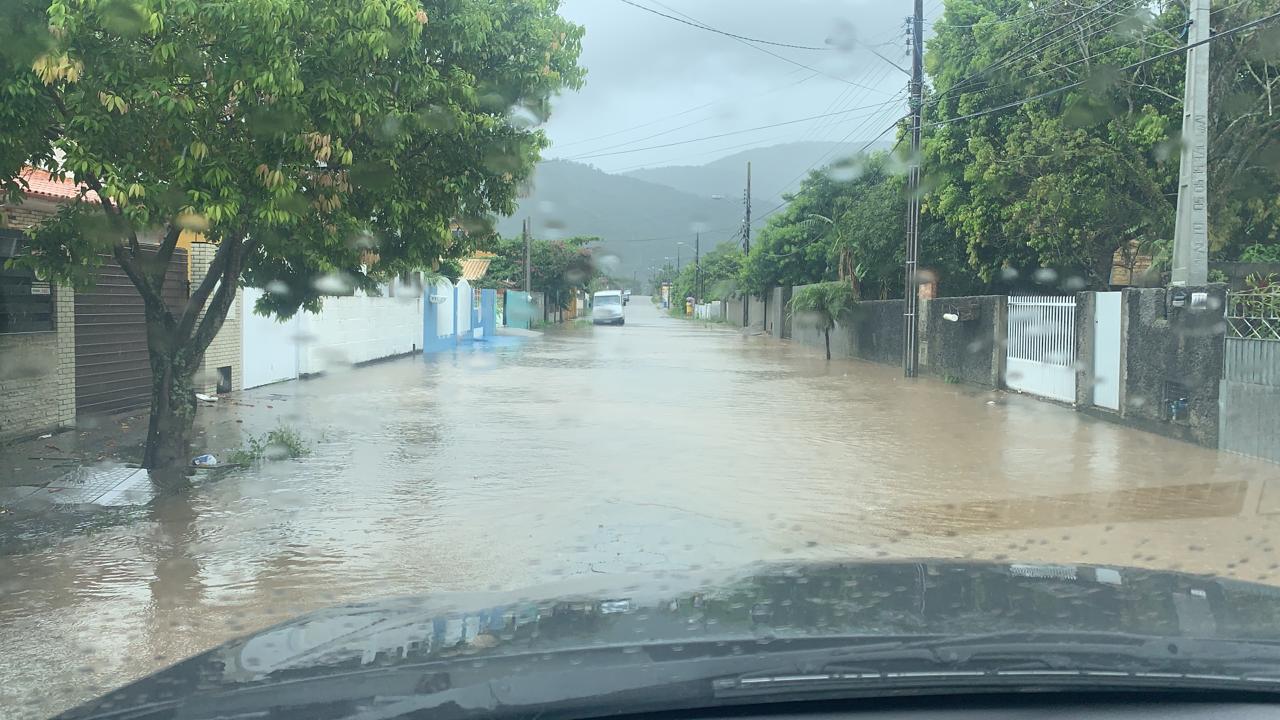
216,314
165,253
226,250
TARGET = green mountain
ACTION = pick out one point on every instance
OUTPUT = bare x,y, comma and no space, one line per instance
642,215
639,222
774,170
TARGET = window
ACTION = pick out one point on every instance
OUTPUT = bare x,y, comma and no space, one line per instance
26,303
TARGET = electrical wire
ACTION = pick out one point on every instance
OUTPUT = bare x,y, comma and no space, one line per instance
1019,52
682,113
1126,68
1004,21
702,26
734,132
1023,78
767,51
860,150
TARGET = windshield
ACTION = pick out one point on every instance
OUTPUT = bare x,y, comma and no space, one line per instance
299,313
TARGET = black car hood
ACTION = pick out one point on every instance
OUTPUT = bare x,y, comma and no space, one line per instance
406,647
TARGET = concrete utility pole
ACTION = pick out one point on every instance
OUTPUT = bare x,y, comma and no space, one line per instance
528,268
1191,225
746,244
910,295
697,267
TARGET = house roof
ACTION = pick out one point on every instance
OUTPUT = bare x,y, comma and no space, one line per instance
475,267
40,184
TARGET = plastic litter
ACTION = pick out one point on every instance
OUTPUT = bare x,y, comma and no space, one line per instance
45,436
206,398
205,460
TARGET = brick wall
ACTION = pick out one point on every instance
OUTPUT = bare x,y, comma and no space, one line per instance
225,350
38,370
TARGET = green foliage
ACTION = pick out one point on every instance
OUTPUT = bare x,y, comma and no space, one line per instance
282,443
1261,253
559,266
311,132
1065,180
824,304
720,270
314,141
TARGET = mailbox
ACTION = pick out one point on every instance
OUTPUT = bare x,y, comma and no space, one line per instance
963,309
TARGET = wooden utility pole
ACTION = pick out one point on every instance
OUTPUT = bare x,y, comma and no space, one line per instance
1191,223
910,295
697,267
746,244
528,267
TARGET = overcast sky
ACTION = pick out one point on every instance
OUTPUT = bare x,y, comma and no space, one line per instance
647,70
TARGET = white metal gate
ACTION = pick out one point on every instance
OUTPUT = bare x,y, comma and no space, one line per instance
1106,350
1041,352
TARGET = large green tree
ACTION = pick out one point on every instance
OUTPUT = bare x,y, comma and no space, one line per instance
1066,179
558,267
847,222
316,142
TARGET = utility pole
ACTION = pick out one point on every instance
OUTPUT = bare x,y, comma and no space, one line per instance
678,257
910,295
697,267
1191,224
746,244
528,268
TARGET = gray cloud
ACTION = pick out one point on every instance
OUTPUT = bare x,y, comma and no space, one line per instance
643,68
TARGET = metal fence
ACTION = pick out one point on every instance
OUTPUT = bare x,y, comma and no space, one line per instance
1041,352
1249,401
1254,314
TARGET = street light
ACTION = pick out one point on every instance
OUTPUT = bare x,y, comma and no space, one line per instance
678,245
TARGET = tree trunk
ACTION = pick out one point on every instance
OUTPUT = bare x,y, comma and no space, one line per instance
173,412
826,336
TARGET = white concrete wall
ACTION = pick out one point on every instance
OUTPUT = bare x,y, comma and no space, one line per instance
269,347
346,331
444,311
465,302
356,329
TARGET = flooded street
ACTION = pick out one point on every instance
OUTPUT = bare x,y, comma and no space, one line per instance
662,445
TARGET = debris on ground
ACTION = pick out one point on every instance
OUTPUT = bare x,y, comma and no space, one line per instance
205,460
206,398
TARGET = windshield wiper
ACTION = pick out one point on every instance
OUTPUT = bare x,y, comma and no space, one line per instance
1021,658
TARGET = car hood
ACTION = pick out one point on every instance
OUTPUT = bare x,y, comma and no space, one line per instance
413,646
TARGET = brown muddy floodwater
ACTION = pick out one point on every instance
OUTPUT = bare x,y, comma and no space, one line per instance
658,446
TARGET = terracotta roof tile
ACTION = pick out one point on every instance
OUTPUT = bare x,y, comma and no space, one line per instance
42,185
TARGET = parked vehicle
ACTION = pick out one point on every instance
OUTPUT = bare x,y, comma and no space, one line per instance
606,308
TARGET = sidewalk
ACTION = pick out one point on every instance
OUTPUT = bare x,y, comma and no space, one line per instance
98,463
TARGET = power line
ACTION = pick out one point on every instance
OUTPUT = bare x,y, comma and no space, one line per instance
861,150
682,113
767,51
1133,66
634,141
1003,21
1018,52
735,132
702,26
856,129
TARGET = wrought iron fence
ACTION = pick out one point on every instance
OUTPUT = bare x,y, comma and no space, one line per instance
1254,314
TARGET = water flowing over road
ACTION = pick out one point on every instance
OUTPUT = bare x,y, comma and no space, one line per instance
662,445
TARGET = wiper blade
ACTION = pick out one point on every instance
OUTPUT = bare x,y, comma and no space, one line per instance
1020,658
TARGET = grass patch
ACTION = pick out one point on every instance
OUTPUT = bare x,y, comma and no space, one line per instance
283,443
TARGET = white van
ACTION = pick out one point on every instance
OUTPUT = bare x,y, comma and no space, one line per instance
606,308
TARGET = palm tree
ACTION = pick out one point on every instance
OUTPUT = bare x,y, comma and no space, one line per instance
825,303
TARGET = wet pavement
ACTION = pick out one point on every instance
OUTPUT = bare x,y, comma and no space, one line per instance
662,445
